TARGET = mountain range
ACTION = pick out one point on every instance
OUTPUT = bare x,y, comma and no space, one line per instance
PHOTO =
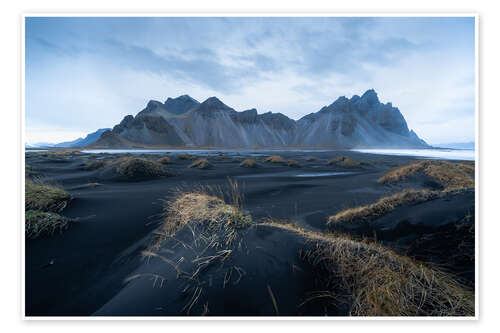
80,142
361,121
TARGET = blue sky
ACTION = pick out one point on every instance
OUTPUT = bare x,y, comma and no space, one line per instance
86,73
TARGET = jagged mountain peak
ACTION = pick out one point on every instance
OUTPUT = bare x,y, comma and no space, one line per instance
370,96
181,104
154,103
339,103
359,121
184,98
213,103
354,98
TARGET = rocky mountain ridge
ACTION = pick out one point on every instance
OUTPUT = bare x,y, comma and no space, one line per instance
361,121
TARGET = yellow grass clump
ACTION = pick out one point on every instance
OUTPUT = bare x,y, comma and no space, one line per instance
275,159
380,282
343,161
185,157
201,163
249,163
383,206
449,175
47,223
165,160
45,197
383,283
29,172
293,163
140,168
215,221
95,165
42,203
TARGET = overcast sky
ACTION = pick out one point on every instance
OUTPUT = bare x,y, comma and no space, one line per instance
88,73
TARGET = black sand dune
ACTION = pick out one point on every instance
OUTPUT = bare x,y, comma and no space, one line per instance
439,231
240,285
84,270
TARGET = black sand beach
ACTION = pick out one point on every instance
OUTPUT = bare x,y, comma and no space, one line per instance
97,266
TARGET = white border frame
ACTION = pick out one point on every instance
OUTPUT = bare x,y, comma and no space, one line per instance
248,14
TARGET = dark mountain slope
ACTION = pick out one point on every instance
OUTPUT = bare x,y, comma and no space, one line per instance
357,122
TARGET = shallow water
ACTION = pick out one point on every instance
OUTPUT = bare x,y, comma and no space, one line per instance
449,154
324,174
293,174
249,152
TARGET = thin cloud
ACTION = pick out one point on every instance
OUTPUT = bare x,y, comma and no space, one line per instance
85,73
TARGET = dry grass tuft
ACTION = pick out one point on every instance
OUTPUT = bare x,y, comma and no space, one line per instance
344,162
60,154
383,206
275,159
165,160
451,178
208,222
95,165
448,175
139,168
186,157
311,159
381,282
249,163
39,223
42,202
44,197
201,163
66,153
208,215
293,163
29,171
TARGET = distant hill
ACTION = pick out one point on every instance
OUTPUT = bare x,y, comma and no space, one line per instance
81,142
39,145
361,121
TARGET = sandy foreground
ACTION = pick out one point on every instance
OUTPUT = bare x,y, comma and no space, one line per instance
98,265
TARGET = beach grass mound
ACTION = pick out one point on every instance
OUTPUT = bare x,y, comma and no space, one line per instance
293,164
60,155
95,165
378,281
383,206
29,171
275,159
45,197
201,163
344,162
216,221
383,283
38,223
311,159
165,160
447,175
249,163
186,157
140,168
362,278
63,153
